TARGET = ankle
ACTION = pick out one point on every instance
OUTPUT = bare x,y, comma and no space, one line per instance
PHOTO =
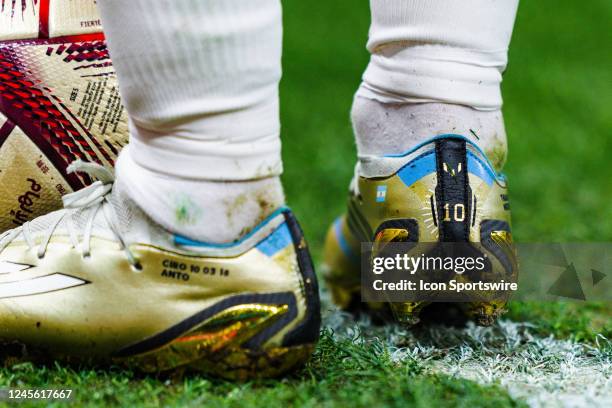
202,210
395,128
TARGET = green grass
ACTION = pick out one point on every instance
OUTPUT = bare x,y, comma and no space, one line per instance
574,320
558,97
341,373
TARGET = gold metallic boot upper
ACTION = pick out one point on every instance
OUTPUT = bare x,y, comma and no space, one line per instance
100,282
444,190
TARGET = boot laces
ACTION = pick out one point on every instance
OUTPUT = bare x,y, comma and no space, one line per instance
93,199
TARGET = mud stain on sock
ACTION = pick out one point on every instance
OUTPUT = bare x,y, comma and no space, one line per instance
497,152
234,207
265,206
257,203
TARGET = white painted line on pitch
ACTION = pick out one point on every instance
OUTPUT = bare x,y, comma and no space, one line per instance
543,371
37,286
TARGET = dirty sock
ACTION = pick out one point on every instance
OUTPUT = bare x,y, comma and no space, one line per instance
207,211
382,128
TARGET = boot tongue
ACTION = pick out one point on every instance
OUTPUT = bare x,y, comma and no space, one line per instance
131,221
42,224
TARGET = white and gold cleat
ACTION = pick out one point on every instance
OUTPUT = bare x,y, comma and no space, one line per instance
444,190
100,282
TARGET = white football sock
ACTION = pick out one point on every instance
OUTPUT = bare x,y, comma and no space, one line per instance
439,51
209,211
435,68
200,83
395,128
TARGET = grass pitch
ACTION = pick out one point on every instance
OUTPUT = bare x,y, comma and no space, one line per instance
558,96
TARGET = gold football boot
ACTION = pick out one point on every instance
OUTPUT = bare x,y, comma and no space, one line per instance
444,190
99,282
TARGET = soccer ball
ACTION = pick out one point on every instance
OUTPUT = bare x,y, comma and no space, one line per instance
59,102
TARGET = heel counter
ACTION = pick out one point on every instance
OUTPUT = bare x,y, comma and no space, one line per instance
308,330
453,192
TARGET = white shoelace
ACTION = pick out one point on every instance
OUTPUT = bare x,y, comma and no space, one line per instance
93,198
